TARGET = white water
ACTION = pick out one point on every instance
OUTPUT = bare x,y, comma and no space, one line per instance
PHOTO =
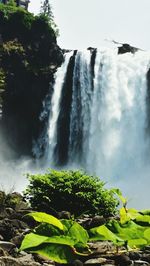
55,104
80,109
117,145
111,119
108,125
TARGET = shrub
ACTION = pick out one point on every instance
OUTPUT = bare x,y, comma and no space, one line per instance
72,191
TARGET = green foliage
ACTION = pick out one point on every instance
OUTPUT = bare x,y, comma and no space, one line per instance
132,231
72,191
62,245
46,218
46,10
11,3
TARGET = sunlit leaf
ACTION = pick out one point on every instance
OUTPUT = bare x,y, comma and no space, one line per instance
123,216
76,232
32,240
46,218
143,218
137,243
119,194
58,253
147,235
103,233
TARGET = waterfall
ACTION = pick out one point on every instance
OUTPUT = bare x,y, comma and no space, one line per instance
117,144
54,108
107,117
80,109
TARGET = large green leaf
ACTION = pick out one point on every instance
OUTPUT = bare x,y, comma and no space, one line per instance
32,240
46,218
132,214
58,253
147,235
45,229
137,243
128,231
145,212
103,233
143,218
76,232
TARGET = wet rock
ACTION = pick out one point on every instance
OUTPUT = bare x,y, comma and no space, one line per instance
88,222
7,231
95,262
9,261
77,263
17,240
3,252
123,260
146,257
101,247
64,215
126,48
134,255
97,221
140,263
7,245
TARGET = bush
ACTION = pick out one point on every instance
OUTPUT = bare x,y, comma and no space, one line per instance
72,191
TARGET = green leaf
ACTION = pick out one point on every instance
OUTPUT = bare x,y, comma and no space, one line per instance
45,229
143,218
137,243
76,232
46,218
127,231
58,253
132,214
32,240
119,194
147,235
123,216
146,212
103,233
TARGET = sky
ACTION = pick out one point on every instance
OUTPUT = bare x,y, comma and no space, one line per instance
84,23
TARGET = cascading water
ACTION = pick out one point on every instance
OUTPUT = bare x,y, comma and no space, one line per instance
80,109
108,114
55,104
117,142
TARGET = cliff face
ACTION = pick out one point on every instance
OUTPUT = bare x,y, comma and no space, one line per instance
29,57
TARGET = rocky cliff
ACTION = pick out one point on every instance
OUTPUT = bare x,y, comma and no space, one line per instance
29,57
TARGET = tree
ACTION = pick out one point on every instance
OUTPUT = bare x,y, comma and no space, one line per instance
11,3
46,9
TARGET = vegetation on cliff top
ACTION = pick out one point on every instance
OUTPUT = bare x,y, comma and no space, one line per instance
29,56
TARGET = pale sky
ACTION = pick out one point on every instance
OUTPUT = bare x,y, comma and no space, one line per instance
84,23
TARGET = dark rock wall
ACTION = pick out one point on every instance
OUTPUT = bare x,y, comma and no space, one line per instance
29,57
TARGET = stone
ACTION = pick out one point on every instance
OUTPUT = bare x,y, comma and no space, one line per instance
101,247
122,260
146,257
7,245
77,263
95,261
140,263
134,255
17,240
9,261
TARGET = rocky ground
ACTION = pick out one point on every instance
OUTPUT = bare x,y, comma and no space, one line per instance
14,225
